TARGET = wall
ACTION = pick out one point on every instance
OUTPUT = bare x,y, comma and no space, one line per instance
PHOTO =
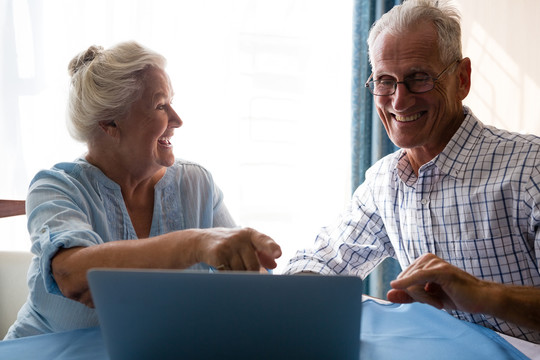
501,39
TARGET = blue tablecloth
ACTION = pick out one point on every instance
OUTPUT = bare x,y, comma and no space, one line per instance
418,331
389,331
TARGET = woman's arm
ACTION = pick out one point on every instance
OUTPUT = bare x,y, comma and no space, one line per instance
233,249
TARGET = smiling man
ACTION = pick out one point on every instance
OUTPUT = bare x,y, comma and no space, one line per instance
459,204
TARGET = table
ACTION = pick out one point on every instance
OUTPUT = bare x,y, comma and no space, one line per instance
389,331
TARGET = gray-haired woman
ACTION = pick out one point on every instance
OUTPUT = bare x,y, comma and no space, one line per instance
128,186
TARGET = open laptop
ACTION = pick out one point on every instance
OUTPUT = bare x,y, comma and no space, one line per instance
161,314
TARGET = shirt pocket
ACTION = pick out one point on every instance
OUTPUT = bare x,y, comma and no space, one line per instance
499,259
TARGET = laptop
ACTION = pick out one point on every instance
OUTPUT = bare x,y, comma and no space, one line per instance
175,314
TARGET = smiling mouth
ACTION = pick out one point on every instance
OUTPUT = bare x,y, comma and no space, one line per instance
408,118
165,141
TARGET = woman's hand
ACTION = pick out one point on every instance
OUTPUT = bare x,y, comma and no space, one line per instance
236,249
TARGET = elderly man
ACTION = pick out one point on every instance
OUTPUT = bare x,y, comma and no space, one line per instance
459,204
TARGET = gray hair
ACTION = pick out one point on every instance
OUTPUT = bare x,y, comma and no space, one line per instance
104,85
445,17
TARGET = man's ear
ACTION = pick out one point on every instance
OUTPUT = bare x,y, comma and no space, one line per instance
464,77
109,127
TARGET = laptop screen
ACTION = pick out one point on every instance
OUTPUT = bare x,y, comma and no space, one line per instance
170,314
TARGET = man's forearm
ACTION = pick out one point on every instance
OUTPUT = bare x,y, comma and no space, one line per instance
517,304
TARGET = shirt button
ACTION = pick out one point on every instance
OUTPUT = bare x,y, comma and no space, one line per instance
424,201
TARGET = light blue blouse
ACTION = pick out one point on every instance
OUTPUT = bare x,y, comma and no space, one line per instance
75,204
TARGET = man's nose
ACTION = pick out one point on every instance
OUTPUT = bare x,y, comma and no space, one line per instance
402,97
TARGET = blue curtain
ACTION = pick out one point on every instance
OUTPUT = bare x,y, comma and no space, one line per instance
369,139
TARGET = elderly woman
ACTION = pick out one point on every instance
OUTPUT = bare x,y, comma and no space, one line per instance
129,186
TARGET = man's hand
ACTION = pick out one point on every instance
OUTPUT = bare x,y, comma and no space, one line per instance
433,281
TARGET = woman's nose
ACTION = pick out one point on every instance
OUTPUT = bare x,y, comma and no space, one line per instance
174,119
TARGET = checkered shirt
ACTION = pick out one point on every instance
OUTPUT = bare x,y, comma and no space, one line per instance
475,205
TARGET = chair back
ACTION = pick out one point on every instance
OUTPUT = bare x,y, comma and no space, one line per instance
13,272
12,208
13,286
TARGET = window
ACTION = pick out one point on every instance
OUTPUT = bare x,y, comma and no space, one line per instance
263,88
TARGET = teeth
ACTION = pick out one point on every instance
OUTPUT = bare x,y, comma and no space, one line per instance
408,118
165,140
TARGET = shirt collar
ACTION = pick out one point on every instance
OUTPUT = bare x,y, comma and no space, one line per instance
454,156
111,184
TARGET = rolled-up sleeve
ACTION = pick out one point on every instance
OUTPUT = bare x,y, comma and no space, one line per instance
355,245
58,217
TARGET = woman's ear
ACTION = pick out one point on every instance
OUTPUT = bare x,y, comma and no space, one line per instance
109,127
464,78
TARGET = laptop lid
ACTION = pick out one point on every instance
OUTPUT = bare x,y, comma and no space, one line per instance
161,314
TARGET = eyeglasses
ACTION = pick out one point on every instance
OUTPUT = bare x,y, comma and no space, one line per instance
417,84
